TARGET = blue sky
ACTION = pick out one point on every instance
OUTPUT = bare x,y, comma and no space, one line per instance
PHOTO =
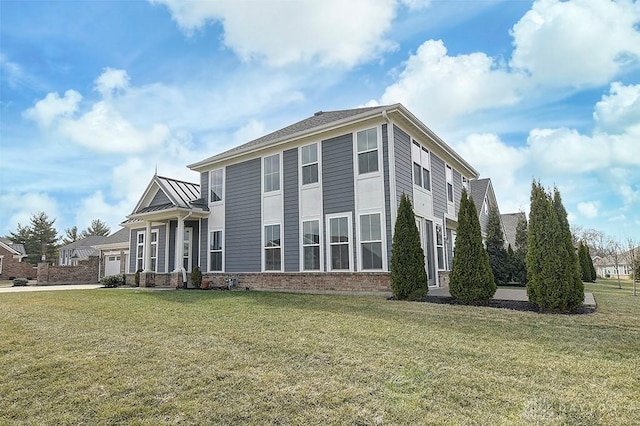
95,94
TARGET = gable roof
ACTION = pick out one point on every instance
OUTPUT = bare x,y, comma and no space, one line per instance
326,120
178,193
478,189
117,239
16,248
510,223
86,242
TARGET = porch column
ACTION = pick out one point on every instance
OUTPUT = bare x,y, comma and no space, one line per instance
179,244
147,247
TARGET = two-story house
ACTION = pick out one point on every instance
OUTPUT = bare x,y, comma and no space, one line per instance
311,205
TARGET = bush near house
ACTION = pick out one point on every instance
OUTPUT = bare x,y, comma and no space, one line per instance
498,257
471,277
112,281
408,276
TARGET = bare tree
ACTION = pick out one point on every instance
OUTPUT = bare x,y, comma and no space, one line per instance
614,252
632,257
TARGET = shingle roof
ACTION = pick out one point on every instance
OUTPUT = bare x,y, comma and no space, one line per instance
84,252
510,223
319,119
89,241
120,236
478,190
18,247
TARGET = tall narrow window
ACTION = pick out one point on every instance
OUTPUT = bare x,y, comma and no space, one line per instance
154,251
421,166
425,160
371,241
449,184
440,246
367,143
186,249
309,162
311,245
272,252
272,173
215,251
215,185
417,174
139,252
339,242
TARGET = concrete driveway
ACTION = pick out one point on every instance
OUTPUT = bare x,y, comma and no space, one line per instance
49,288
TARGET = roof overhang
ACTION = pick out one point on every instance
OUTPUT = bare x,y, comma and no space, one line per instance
164,215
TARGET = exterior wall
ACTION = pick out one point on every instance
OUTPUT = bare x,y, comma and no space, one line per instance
243,251
85,273
159,199
484,220
204,244
204,187
162,247
457,190
337,182
449,249
438,186
291,225
308,281
13,268
173,229
387,192
403,165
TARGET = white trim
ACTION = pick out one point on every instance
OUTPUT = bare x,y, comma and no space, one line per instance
356,162
188,230
264,248
301,166
382,240
209,176
320,245
393,195
262,171
349,216
209,251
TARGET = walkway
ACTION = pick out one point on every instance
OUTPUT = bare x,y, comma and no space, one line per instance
49,288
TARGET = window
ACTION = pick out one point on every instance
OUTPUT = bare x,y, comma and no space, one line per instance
272,173
371,241
215,251
339,242
140,251
272,257
309,162
186,249
215,185
440,246
449,184
367,143
311,245
421,166
154,251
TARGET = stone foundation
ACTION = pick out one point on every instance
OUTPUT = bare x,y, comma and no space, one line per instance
86,272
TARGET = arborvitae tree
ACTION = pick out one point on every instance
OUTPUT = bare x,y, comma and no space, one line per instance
585,270
569,258
511,262
408,275
97,227
495,248
471,277
520,252
592,268
39,238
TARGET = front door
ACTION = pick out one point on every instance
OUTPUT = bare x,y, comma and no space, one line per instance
425,229
187,241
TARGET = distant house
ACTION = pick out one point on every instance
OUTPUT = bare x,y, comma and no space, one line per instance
484,198
510,224
114,253
11,261
606,266
312,204
81,249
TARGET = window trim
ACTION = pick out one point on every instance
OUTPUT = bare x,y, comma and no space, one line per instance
362,241
376,149
142,244
449,183
328,218
424,165
303,165
440,246
211,172
303,245
264,180
210,250
265,248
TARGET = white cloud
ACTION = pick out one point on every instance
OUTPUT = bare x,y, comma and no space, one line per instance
250,131
112,80
440,87
47,110
588,209
579,42
18,207
620,110
327,32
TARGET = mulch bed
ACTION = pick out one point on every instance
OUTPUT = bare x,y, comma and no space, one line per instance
516,305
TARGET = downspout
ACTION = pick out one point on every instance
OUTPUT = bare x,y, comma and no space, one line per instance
184,272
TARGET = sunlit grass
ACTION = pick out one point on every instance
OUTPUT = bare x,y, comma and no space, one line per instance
196,357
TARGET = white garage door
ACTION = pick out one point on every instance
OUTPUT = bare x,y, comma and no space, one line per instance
112,265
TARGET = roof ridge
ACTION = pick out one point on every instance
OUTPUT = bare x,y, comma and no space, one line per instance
177,180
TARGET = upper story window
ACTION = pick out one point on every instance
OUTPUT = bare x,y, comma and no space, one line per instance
421,166
215,185
309,161
449,184
272,173
367,144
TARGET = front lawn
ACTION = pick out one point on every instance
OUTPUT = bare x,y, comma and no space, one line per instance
201,357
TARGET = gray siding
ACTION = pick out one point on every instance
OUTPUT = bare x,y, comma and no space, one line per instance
387,189
204,244
173,228
484,220
204,186
338,191
457,190
132,249
403,164
195,251
159,199
243,242
162,247
439,186
449,248
291,214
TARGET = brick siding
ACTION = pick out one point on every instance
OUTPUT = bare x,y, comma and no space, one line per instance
85,273
13,268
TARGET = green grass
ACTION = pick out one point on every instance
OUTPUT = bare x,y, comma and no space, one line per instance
187,357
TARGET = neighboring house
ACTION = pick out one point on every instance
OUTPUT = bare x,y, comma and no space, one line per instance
485,199
114,253
510,224
11,261
606,266
318,196
81,249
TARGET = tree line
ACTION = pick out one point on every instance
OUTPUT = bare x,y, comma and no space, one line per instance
40,237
